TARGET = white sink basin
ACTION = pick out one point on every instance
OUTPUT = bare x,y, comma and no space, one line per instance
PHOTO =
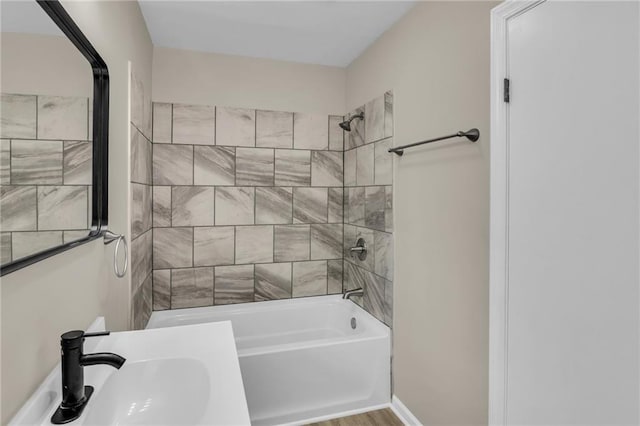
186,375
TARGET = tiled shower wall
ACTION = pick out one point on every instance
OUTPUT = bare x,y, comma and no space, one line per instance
368,180
45,172
247,205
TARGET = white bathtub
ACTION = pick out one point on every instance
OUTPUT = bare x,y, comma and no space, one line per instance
300,358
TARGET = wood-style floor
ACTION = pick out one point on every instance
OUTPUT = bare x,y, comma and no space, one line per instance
384,417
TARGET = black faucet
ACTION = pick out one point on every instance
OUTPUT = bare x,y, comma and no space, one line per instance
75,394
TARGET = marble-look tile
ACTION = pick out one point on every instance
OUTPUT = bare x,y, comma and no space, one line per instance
69,236
161,206
214,165
141,157
5,248
162,117
310,205
356,205
235,206
5,162
383,174
336,134
374,207
141,209
235,127
142,304
36,162
334,276
162,289
193,124
388,303
353,279
383,243
291,243
326,241
292,167
62,207
18,116
234,284
368,236
274,129
349,233
172,165
309,278
310,131
254,166
274,205
374,295
172,248
374,119
192,287
326,168
335,208
273,281
388,114
365,159
356,135
78,163
61,117
18,205
141,261
214,246
388,208
254,244
27,243
192,205
350,168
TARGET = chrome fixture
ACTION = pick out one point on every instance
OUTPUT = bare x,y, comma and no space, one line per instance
110,237
347,295
346,125
359,250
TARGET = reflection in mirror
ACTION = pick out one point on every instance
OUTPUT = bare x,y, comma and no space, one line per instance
45,134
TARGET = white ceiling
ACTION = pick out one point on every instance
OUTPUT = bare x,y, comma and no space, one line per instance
316,32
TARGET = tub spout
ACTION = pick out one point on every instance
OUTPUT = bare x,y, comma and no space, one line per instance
347,295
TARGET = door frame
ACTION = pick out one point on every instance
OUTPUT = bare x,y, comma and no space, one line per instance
499,213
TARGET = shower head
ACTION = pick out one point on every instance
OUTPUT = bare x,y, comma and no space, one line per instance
346,125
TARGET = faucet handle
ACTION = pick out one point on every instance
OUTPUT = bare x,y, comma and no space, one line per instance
97,333
74,338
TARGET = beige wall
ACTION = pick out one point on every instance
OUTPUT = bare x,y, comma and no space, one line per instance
436,60
184,76
70,290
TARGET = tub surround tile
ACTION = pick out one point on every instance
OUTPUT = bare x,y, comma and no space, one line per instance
161,206
383,168
292,167
18,206
326,168
62,207
27,243
141,261
350,168
234,284
18,116
310,205
193,124
374,207
172,164
356,135
335,207
310,131
388,114
192,287
273,281
214,165
383,262
354,278
254,244
374,294
235,127
388,208
141,209
334,276
234,206
336,134
365,159
356,205
142,304
349,239
5,162
214,246
62,117
291,243
161,289
5,248
368,236
36,162
374,112
309,278
192,205
172,248
254,166
326,241
388,303
274,205
274,129
78,164
141,158
162,117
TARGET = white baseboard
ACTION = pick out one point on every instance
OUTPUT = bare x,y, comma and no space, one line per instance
403,413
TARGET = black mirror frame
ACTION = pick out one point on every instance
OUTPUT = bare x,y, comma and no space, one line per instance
100,182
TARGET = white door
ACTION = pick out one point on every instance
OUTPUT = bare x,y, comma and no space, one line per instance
565,256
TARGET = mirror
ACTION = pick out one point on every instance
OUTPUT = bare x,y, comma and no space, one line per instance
50,163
